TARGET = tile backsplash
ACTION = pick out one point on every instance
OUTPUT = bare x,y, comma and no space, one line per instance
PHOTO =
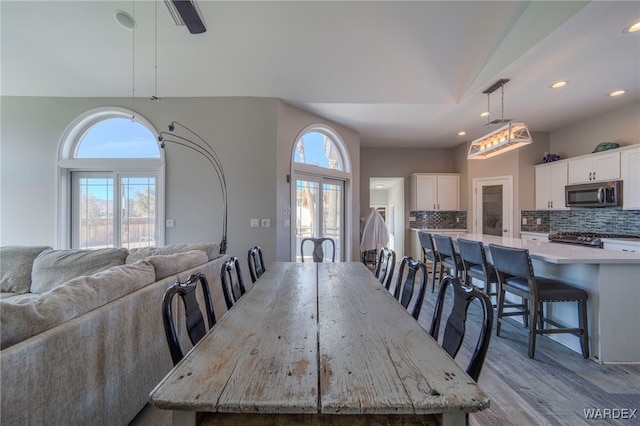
597,220
438,219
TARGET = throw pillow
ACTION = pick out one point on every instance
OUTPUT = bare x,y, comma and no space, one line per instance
54,267
172,264
212,250
16,263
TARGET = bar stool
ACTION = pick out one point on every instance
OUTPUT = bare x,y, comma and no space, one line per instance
515,275
476,265
449,258
429,253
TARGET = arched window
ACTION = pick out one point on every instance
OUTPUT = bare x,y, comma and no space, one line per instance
111,171
320,190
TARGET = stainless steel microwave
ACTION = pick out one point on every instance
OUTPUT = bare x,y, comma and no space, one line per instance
597,194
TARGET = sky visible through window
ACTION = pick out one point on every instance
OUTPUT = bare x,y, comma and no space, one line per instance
119,138
313,150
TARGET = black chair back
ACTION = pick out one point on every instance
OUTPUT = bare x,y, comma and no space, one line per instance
455,327
232,283
195,322
414,281
385,266
256,263
318,250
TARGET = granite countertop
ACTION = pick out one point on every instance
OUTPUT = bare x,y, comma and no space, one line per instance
559,253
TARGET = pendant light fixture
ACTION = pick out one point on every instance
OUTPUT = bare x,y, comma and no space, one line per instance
504,139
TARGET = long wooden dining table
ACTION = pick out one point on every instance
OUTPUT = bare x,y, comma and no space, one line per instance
318,343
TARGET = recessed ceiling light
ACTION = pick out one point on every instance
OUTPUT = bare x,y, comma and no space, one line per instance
379,186
462,133
618,93
124,19
484,114
634,28
558,84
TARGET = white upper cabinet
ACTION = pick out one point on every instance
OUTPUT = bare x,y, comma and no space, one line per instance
594,168
630,172
431,192
551,179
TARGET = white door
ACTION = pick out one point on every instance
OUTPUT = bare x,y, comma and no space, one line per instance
319,212
493,206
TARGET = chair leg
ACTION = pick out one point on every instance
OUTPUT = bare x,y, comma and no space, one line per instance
526,311
500,310
533,329
434,266
541,316
584,325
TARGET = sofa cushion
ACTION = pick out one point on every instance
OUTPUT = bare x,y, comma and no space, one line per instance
23,317
171,264
16,263
135,254
54,267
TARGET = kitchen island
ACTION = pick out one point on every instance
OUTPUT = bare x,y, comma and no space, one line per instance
611,278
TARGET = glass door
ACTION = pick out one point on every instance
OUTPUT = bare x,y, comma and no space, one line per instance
493,206
319,212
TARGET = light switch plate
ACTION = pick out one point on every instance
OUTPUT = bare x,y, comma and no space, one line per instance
266,223
255,223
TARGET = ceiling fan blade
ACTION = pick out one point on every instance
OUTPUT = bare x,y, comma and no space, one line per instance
189,16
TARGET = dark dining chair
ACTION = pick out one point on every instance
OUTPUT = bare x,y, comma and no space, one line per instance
429,253
516,275
455,328
195,322
476,265
411,284
449,258
256,263
232,282
385,266
318,250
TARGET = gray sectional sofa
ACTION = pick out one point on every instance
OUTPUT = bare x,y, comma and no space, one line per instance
81,334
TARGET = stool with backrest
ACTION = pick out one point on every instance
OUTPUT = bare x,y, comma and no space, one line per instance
455,327
516,275
476,265
195,323
232,283
385,266
256,263
429,253
411,281
318,251
449,258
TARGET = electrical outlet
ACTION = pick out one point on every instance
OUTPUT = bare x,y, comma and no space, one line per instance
171,223
266,223
457,220
538,221
255,223
286,223
524,220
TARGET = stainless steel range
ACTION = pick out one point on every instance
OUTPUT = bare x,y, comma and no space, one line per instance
587,239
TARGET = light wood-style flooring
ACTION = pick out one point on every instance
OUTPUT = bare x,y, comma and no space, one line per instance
554,389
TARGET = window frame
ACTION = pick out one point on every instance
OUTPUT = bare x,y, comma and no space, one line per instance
67,164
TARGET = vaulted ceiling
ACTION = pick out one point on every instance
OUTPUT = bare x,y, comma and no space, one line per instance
407,74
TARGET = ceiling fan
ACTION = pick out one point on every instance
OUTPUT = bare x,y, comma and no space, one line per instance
186,12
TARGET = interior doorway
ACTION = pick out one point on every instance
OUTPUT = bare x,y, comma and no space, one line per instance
386,194
493,206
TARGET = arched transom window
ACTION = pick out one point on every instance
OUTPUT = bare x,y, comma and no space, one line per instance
111,181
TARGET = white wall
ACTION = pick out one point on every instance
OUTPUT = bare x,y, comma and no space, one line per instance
621,125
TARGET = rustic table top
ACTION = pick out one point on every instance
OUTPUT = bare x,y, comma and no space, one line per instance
322,339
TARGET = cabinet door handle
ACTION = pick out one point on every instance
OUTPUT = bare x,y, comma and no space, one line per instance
594,175
434,206
590,176
551,204
438,206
